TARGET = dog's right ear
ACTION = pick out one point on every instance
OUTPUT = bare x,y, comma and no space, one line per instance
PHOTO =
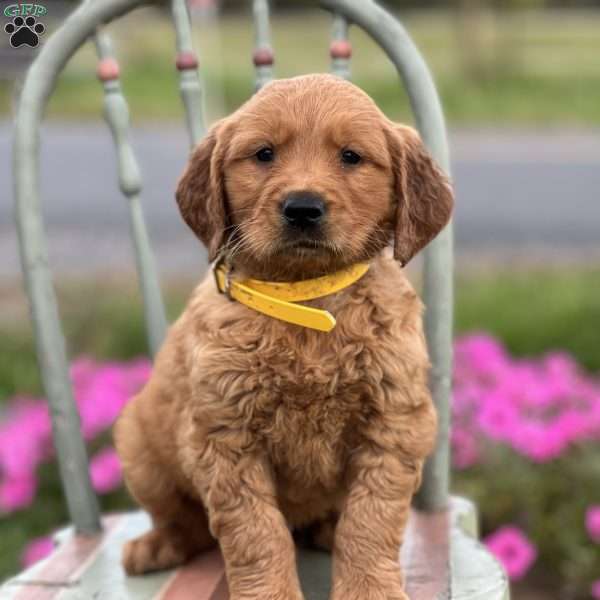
201,191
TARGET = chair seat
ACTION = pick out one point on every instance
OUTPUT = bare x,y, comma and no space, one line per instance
440,556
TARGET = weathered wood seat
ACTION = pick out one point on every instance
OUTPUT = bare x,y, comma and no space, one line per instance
441,555
441,559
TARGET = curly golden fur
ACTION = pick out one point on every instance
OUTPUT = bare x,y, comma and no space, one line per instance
251,427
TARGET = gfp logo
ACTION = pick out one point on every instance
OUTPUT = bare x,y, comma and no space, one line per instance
24,29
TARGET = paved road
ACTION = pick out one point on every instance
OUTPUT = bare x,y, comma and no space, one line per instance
522,196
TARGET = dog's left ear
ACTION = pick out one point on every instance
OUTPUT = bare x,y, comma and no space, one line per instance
423,193
201,190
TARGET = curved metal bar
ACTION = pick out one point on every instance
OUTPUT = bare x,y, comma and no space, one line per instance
39,84
189,79
438,289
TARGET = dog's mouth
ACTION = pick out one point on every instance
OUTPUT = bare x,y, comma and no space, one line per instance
305,245
309,244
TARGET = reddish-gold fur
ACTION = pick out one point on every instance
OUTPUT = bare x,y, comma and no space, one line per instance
249,426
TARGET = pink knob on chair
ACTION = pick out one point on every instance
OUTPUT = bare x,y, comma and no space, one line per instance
186,61
340,49
263,57
108,69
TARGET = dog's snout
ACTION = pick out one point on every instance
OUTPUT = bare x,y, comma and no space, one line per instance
303,209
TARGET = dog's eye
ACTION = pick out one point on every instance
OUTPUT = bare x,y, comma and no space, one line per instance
350,157
265,155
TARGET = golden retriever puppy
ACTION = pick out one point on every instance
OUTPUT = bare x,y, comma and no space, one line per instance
252,427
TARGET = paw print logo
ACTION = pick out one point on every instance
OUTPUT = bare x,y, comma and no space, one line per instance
24,31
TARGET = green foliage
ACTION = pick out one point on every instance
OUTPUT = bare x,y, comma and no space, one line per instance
548,501
535,312
18,368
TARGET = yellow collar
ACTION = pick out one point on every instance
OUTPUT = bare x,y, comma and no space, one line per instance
277,299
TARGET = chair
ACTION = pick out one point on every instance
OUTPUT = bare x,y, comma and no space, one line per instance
441,555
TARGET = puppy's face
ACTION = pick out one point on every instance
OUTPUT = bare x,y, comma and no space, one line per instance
309,176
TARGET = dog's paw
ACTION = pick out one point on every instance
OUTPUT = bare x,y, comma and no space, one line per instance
268,595
265,588
368,591
153,551
369,594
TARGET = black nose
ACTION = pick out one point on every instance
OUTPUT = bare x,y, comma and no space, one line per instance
303,209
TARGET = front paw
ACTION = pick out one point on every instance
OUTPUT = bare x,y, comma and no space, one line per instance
368,592
386,586
264,586
153,551
269,593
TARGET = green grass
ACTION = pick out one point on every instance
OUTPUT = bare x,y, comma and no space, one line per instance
536,312
528,67
532,312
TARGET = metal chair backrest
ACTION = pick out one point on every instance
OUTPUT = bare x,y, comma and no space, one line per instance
84,23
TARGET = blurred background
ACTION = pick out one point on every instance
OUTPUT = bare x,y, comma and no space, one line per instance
520,85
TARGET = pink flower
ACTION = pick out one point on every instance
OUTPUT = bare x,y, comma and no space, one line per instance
592,522
480,354
25,436
36,550
105,471
101,391
538,442
539,408
465,451
513,549
467,397
498,418
573,424
17,492
596,590
594,418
